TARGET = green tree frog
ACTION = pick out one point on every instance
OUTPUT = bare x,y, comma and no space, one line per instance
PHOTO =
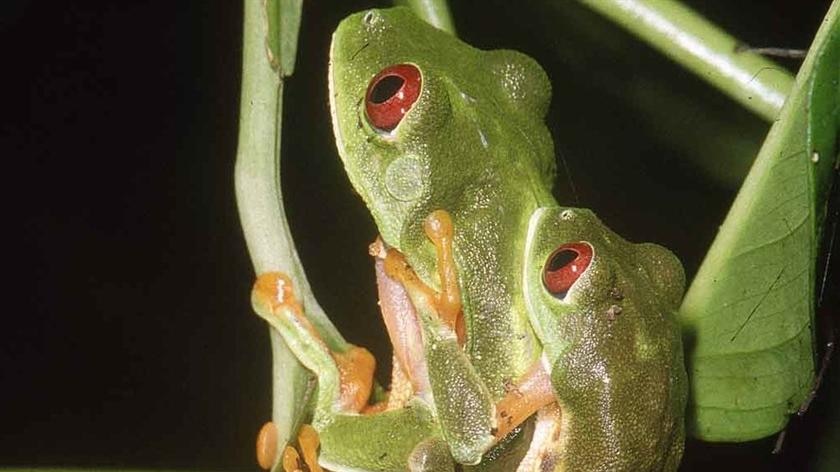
499,302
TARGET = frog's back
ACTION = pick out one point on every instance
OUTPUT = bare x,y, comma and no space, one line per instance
633,422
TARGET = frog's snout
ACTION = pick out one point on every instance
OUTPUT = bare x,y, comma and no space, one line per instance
369,18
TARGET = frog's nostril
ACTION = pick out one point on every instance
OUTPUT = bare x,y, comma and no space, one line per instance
368,18
390,94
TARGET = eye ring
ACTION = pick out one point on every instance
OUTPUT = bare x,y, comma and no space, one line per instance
391,94
564,267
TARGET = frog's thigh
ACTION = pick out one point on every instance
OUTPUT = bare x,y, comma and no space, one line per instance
384,441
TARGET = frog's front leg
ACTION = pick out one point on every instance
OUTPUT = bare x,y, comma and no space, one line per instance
439,229
531,392
345,379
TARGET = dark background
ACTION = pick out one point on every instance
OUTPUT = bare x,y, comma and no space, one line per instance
128,343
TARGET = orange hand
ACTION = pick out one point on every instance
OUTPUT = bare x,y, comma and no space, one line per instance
447,304
276,291
397,268
267,445
438,227
355,365
308,443
291,460
532,392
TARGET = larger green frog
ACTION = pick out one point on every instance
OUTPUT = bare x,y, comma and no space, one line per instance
561,316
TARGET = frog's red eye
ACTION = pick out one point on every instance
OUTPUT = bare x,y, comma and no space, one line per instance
390,95
564,266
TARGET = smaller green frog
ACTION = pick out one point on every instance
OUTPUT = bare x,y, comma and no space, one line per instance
605,311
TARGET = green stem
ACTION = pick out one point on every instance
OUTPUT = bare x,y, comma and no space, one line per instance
258,193
698,45
434,12
269,36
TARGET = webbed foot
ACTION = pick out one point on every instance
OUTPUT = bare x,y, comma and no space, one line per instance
274,300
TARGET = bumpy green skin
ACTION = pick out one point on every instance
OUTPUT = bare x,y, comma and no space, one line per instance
475,144
612,344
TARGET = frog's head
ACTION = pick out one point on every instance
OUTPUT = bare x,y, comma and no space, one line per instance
419,116
581,277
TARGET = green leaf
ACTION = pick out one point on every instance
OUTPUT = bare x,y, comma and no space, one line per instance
283,19
748,315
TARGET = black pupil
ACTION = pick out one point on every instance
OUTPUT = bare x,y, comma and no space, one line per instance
386,88
561,259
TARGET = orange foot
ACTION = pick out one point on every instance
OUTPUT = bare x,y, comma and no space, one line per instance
308,443
267,445
355,364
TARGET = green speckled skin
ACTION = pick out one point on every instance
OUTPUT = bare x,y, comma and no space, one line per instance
475,144
612,344
436,159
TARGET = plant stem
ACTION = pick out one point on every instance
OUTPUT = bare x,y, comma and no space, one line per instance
269,36
258,193
434,12
698,45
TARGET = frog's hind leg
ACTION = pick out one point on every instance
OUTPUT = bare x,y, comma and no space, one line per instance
345,379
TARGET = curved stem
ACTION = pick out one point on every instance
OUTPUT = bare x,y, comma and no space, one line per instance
269,38
698,45
258,193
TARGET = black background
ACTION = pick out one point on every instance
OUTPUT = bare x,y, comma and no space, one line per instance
127,343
